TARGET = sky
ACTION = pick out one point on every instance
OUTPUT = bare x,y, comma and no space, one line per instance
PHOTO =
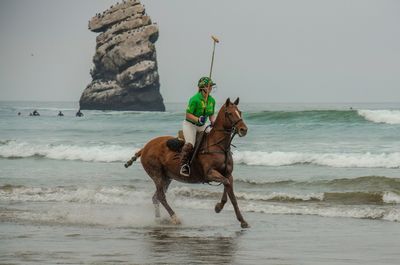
269,51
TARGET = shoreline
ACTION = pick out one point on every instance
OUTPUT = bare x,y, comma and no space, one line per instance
216,239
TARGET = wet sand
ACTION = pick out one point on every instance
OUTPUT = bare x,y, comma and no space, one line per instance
204,238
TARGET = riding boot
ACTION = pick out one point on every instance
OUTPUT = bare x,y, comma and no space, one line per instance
186,154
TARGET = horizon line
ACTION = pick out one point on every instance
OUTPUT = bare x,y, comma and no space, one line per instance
245,102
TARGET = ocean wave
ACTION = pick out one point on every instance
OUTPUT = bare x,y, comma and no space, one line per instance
305,115
118,153
129,195
91,195
366,183
72,199
371,212
381,116
113,216
343,198
376,116
95,153
358,160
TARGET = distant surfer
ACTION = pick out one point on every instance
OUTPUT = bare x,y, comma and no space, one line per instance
35,113
19,113
79,113
60,114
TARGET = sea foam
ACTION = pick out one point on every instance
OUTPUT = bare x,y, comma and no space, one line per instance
72,197
381,116
365,160
96,153
118,153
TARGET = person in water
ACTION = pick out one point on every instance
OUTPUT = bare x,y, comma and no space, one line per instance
60,113
79,113
35,113
200,107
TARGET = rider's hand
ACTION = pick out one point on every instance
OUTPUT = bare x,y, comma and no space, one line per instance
202,119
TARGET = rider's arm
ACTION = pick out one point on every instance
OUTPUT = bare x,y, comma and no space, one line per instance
212,119
192,106
193,118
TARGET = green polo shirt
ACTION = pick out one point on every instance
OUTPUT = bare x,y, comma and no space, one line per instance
199,107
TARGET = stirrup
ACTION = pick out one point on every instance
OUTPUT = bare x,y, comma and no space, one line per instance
185,170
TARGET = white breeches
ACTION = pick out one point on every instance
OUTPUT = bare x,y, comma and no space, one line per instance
190,130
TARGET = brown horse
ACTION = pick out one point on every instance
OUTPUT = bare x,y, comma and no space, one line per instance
213,162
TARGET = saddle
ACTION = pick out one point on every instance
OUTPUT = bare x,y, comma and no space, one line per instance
176,144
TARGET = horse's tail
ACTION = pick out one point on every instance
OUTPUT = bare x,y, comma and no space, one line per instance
134,158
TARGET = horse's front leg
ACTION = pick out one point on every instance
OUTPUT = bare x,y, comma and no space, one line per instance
232,197
220,205
214,175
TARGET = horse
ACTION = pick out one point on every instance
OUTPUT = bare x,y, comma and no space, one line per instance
213,162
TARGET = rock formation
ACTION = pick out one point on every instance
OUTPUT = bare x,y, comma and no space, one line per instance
125,74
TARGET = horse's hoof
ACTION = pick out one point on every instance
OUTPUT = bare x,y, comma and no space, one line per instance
218,207
175,220
244,224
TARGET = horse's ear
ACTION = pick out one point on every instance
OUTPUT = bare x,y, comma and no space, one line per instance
228,101
236,101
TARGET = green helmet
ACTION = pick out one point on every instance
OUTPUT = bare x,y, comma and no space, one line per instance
205,82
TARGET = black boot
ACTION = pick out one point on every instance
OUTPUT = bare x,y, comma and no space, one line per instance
186,154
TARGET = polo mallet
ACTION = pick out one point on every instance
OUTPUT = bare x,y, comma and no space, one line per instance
215,40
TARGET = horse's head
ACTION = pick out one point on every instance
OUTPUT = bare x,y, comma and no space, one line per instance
232,117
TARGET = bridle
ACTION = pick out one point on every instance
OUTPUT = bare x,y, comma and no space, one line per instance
233,128
226,148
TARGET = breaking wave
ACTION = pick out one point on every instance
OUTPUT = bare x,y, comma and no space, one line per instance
367,183
72,199
118,153
129,195
365,160
369,212
95,195
381,116
95,153
342,116
354,197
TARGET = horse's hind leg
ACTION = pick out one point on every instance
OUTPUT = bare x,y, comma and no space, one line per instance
156,204
220,205
161,189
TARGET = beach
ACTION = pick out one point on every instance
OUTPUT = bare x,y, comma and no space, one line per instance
317,183
203,238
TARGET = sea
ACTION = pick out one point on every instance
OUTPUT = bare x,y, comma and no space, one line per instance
318,183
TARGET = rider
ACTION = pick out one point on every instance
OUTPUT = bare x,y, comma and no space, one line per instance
200,107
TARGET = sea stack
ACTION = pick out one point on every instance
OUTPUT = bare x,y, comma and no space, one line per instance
125,73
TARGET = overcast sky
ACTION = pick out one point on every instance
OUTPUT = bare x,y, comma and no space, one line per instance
270,51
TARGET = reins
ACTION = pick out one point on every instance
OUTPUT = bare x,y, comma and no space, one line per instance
232,131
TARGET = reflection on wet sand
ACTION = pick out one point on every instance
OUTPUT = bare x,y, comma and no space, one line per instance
177,245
